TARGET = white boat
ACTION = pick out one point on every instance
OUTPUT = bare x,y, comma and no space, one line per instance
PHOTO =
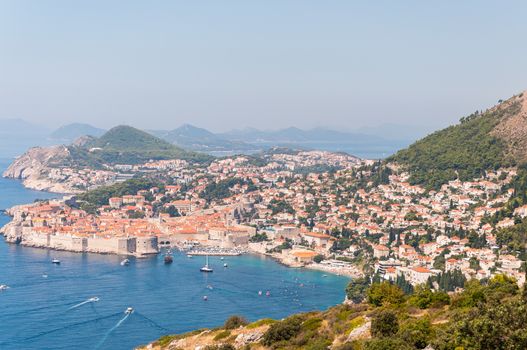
94,299
125,262
129,310
205,298
55,261
189,255
206,268
225,265
4,287
221,258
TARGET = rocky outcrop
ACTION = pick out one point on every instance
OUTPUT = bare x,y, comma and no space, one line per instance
36,161
33,167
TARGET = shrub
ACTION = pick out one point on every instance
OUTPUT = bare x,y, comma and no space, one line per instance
235,321
417,333
386,344
384,324
222,335
283,330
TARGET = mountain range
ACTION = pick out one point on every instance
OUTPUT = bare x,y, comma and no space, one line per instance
18,135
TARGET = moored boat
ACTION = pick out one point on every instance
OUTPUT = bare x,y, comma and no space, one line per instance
206,268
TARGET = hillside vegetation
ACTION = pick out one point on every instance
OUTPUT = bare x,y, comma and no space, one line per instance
489,315
127,145
481,141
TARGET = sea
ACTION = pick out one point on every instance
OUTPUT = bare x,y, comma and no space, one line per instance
81,303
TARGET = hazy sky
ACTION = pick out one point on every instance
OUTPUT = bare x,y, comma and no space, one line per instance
268,64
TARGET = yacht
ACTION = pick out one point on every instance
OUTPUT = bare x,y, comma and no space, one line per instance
206,268
55,261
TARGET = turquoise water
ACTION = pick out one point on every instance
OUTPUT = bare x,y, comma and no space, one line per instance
41,309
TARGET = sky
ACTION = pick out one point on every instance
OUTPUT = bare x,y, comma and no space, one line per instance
266,64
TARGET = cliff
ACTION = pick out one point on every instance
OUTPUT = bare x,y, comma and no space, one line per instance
34,165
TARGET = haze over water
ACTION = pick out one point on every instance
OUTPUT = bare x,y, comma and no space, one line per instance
41,309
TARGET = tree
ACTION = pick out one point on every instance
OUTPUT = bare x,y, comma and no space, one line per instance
384,324
318,258
384,293
356,289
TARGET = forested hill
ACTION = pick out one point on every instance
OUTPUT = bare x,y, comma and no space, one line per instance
127,145
485,140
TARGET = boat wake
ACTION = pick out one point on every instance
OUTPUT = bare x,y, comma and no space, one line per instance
117,325
90,300
41,334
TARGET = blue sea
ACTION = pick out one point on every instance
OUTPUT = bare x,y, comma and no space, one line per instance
47,306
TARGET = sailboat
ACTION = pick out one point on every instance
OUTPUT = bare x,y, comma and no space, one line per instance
206,268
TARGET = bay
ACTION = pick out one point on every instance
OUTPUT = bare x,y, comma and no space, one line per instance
43,307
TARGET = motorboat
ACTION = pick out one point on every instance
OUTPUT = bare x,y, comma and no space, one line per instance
225,265
205,298
168,259
268,293
129,310
189,256
125,262
206,268
4,287
55,261
93,300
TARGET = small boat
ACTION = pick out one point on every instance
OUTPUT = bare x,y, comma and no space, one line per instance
268,293
225,265
324,275
206,268
4,287
125,262
168,259
205,298
189,256
221,258
45,275
55,261
129,310
259,292
93,300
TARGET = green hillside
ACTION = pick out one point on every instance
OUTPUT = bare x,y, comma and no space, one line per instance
127,145
487,315
464,150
